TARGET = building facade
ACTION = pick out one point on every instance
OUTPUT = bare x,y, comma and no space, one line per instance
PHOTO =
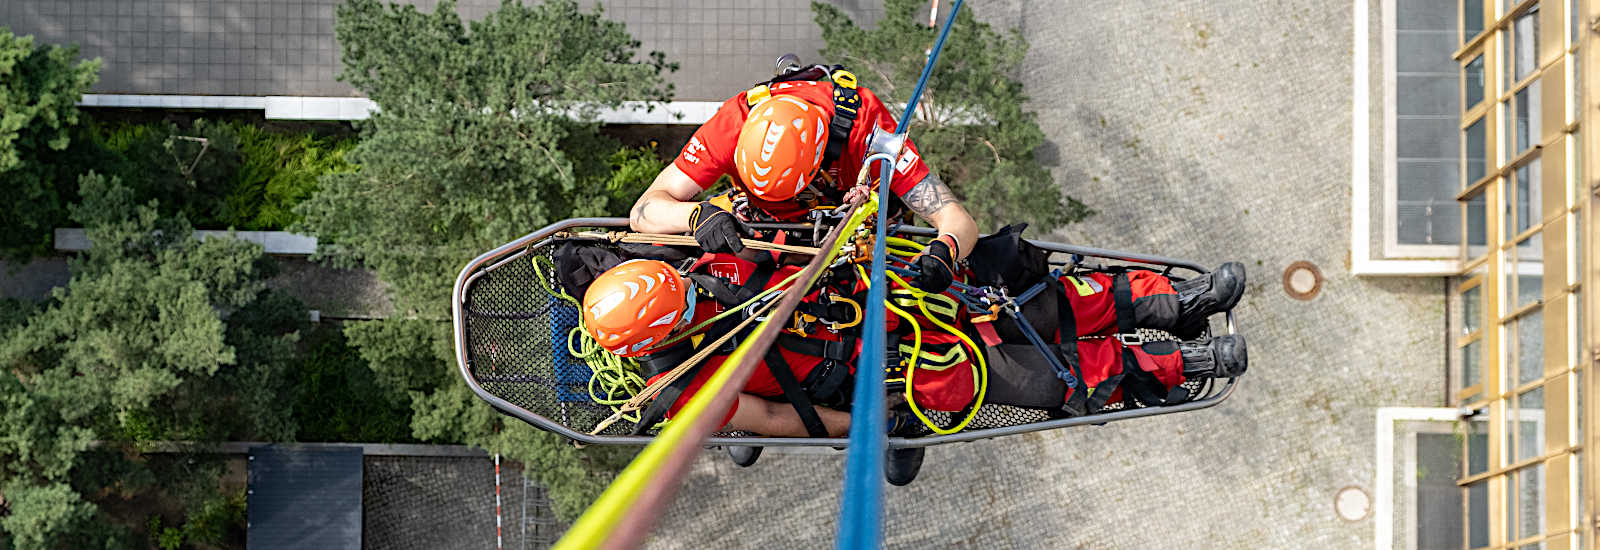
1520,346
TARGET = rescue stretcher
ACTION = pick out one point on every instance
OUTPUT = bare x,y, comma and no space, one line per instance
511,342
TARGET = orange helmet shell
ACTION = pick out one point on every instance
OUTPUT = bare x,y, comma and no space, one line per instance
780,147
634,305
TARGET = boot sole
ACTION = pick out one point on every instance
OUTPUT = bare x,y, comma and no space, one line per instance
1233,356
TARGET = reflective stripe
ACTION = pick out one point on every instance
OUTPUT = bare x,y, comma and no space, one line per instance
1086,287
929,360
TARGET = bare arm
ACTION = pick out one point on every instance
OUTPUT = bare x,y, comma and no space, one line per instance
774,419
665,206
931,200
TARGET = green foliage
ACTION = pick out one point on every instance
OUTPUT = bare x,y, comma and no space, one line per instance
971,126
218,521
277,172
138,346
486,132
50,515
241,176
475,143
341,399
39,90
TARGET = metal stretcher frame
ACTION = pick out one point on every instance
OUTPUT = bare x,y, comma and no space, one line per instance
493,258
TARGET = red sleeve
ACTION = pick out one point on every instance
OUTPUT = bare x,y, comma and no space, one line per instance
709,153
909,170
700,379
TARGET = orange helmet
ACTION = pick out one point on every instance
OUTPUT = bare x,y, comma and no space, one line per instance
636,304
780,147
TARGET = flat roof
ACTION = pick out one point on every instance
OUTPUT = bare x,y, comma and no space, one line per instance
283,48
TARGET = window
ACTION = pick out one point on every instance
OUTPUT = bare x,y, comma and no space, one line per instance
1473,72
1527,126
1471,19
1478,515
1423,93
1525,37
1476,151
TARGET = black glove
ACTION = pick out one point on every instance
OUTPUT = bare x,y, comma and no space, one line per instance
936,267
716,230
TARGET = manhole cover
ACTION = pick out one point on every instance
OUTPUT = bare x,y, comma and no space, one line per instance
1302,280
1352,504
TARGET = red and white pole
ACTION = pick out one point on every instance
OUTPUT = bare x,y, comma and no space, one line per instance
498,541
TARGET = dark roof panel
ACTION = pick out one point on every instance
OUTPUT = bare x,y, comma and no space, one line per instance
304,498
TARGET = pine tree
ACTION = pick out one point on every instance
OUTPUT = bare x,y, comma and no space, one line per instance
39,90
971,127
137,347
485,131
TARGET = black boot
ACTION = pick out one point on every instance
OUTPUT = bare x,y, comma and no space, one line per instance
1222,356
1198,298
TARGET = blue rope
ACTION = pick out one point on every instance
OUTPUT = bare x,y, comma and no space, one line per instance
861,516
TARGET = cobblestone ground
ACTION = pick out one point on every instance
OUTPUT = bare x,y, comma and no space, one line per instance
1198,129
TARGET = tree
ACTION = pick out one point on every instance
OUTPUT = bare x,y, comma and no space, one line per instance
137,347
39,91
484,132
971,126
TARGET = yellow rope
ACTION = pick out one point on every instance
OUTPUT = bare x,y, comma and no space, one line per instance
980,368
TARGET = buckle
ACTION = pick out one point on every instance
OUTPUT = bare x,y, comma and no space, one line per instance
844,78
757,95
1133,339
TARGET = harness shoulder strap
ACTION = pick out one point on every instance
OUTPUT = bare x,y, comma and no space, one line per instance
658,407
794,393
846,103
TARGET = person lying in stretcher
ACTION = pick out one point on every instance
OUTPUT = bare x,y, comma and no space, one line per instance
802,387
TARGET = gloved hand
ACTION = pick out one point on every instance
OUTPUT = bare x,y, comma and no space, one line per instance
716,230
937,267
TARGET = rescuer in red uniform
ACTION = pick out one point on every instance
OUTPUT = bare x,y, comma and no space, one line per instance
789,147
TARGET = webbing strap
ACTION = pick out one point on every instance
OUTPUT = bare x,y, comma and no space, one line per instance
1077,398
792,392
663,401
1122,295
846,102
1067,334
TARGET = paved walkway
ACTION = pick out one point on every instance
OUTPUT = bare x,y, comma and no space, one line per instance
1198,129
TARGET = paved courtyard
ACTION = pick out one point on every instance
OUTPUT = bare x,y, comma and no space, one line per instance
1205,130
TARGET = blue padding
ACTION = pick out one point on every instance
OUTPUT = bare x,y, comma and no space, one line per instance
572,375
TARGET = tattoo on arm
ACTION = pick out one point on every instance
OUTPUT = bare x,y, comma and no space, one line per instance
638,210
928,196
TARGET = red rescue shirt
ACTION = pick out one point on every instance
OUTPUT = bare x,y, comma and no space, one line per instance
709,154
